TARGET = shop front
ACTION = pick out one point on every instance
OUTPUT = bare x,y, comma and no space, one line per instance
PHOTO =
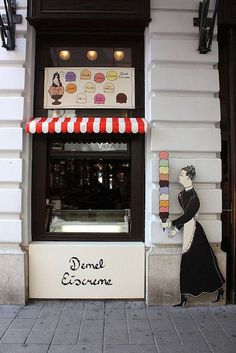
88,138
102,103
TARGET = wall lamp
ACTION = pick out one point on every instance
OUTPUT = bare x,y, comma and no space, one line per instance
7,24
206,25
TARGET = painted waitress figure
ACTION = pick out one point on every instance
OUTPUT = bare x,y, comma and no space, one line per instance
199,271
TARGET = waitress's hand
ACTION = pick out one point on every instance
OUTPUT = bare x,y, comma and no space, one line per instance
165,225
172,233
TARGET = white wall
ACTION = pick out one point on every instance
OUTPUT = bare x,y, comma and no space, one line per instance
183,110
13,71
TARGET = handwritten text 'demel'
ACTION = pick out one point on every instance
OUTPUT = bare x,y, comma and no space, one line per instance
75,278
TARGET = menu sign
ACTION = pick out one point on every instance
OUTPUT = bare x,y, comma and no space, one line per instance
95,87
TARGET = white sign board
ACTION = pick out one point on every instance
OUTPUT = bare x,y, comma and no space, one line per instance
94,87
86,270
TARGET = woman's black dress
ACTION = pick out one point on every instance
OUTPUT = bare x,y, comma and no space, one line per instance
199,271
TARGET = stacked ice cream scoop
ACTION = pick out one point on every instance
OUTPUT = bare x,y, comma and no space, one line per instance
164,186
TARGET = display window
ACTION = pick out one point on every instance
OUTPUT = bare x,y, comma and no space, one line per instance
88,187
88,173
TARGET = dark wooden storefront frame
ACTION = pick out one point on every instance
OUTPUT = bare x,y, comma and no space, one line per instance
94,24
227,71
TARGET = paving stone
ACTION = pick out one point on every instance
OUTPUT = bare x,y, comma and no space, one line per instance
9,311
185,325
115,324
65,337
167,348
5,323
54,305
216,339
114,305
116,337
221,311
230,348
141,337
200,313
117,314
162,324
94,310
15,336
183,348
94,314
132,348
157,312
232,334
207,324
30,312
63,349
23,348
69,323
40,302
138,304
83,348
198,348
232,308
47,321
116,332
166,337
74,310
136,314
129,328
138,325
179,313
22,323
195,338
90,348
40,336
227,323
91,331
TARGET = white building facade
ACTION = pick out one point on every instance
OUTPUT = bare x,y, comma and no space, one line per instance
183,113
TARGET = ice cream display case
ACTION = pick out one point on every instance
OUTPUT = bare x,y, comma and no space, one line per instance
92,221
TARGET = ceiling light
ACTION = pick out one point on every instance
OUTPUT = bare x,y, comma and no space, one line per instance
119,55
92,55
64,54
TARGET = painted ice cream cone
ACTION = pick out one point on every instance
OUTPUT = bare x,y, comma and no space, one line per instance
164,186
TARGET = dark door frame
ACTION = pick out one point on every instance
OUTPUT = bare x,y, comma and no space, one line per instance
227,71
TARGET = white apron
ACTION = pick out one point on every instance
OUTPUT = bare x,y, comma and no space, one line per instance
188,234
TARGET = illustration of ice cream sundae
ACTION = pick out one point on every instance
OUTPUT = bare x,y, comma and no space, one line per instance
56,90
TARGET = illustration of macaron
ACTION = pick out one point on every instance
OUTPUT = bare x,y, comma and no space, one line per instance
90,87
70,76
85,75
99,99
111,75
81,98
121,98
108,87
99,77
71,88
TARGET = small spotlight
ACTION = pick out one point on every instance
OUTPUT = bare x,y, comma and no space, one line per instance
64,54
92,55
119,55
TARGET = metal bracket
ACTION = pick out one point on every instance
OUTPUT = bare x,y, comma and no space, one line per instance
17,19
196,22
8,23
206,25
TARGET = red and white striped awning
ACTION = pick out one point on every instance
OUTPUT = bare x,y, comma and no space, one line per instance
87,125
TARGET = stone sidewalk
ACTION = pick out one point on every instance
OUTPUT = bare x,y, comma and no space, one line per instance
115,327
